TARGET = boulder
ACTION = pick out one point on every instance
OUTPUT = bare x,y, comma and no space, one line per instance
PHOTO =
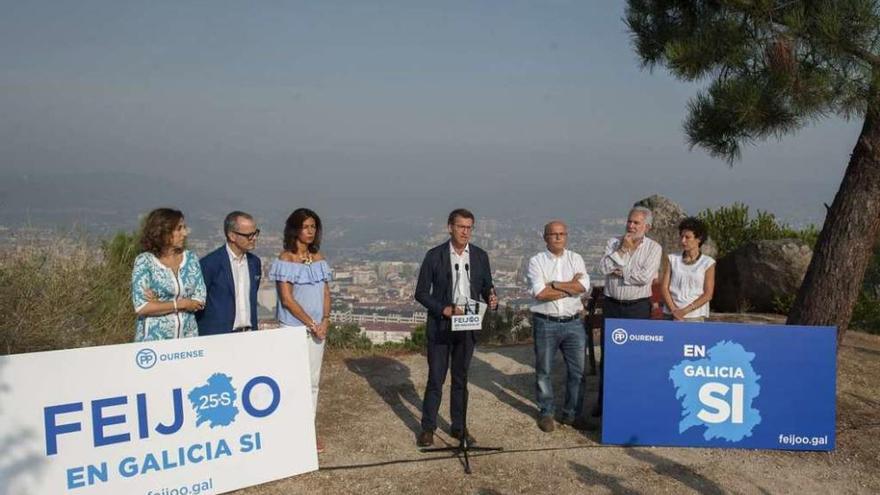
667,215
760,276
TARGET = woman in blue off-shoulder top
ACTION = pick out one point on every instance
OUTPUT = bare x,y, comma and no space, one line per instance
166,282
301,275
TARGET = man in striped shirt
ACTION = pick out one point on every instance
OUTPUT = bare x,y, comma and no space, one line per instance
630,265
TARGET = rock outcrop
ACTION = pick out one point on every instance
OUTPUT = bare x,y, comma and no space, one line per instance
667,215
760,276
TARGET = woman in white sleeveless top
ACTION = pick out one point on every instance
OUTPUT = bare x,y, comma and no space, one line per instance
688,277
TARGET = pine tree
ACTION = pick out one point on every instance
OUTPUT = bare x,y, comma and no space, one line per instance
772,66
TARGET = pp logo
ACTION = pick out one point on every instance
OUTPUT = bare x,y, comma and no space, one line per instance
145,358
619,336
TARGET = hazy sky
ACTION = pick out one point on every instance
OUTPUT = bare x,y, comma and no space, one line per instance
503,106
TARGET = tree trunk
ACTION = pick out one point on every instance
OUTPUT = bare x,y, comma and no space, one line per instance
834,278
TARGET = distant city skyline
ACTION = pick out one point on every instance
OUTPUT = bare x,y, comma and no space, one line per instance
387,109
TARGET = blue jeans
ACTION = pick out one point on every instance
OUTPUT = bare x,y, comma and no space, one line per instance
570,338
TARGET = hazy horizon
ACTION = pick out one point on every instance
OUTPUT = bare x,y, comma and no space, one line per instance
381,110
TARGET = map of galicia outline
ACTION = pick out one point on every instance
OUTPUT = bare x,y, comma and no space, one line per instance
728,363
220,414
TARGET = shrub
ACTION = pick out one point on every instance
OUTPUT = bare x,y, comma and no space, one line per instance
782,304
69,295
347,336
499,327
866,314
731,227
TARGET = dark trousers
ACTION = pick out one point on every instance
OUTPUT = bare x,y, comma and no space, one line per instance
459,352
639,309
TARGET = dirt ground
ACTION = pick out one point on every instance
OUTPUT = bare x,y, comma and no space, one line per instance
369,416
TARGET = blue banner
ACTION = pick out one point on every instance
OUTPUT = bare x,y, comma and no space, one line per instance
722,385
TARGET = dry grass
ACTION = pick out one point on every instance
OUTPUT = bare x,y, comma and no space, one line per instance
63,297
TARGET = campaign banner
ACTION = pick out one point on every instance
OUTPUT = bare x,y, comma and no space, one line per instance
174,417
725,385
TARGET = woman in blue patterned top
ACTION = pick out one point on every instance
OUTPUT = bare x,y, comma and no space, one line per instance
166,284
301,274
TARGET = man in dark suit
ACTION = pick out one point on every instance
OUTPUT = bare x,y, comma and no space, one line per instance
451,273
232,278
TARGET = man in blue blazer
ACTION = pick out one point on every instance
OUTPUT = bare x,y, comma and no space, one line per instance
451,273
232,278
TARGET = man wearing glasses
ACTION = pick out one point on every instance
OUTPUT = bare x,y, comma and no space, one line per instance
232,277
451,275
557,278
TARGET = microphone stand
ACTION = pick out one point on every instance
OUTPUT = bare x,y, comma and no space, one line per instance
464,447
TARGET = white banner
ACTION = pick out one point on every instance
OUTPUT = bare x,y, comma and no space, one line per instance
462,323
182,417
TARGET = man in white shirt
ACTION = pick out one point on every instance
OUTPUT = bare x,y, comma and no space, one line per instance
232,278
630,265
557,277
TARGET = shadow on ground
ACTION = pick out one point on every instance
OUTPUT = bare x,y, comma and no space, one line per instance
392,381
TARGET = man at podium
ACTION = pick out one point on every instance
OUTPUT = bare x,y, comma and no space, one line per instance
453,276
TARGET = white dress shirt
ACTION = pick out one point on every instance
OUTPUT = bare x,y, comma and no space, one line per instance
638,269
544,268
461,289
241,278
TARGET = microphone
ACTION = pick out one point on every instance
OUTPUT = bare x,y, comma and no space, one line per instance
467,271
455,284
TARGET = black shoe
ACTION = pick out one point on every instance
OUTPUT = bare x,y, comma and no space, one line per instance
546,424
583,424
565,420
425,439
456,434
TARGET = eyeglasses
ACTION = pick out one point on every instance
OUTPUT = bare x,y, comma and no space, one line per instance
253,235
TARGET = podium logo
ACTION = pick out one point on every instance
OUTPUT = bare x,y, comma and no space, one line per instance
145,358
619,336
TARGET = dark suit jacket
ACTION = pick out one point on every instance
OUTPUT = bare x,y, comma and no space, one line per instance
219,313
434,288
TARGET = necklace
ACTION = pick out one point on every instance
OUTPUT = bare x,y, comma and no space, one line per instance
306,258
690,262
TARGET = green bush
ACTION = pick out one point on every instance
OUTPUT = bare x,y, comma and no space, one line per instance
866,314
731,227
418,340
347,336
499,328
782,304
